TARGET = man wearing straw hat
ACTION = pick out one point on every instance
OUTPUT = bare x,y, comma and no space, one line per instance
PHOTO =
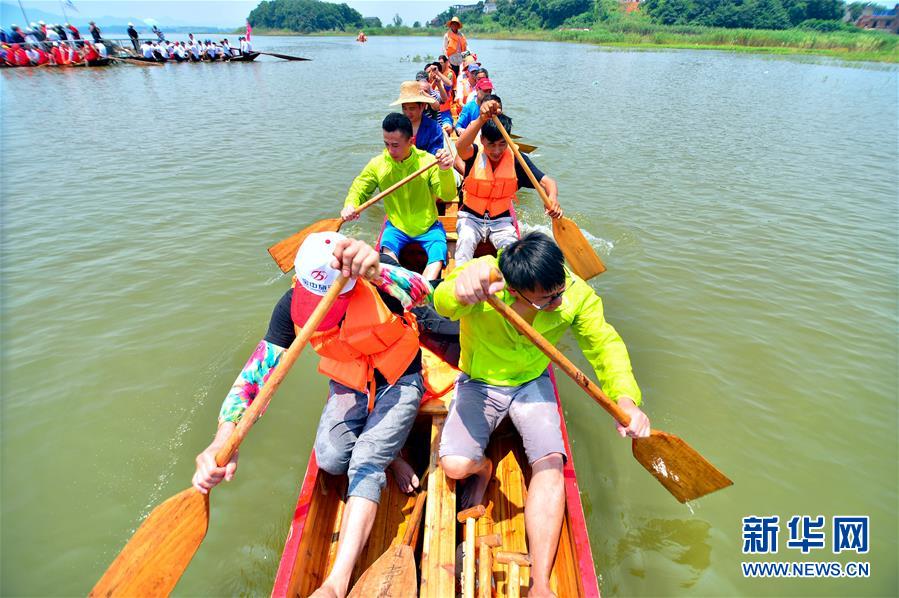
454,43
427,133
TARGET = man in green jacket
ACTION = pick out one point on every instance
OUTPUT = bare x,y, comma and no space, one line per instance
411,209
504,373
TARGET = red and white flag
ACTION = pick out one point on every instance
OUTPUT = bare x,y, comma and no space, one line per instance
249,31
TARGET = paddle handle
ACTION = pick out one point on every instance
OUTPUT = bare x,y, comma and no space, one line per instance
392,188
277,376
560,360
412,527
524,165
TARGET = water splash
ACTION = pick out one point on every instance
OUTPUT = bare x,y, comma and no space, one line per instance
602,246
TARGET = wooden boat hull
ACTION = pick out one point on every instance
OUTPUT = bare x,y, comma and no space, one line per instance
314,532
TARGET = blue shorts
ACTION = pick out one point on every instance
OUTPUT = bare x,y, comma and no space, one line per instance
433,241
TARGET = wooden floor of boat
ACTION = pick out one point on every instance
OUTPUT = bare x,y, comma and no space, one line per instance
440,534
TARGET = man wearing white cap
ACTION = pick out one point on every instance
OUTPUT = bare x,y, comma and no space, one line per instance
134,36
375,386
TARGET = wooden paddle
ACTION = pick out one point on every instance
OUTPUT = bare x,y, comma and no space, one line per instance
394,574
685,473
282,56
285,251
136,62
159,551
571,240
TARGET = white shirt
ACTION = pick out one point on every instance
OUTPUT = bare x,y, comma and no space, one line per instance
147,50
52,35
245,46
195,50
102,51
179,50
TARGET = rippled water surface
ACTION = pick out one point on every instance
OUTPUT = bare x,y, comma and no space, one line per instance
746,208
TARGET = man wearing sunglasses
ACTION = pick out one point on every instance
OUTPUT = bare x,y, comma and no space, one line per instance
503,373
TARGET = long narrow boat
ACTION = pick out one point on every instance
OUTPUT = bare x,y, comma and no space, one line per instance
248,57
312,540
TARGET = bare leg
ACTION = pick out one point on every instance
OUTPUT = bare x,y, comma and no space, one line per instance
358,517
543,514
459,468
404,475
432,270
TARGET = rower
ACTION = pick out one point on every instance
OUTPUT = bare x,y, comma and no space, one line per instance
411,209
195,54
427,133
32,53
102,50
492,178
504,374
245,46
180,52
369,349
227,51
471,110
146,49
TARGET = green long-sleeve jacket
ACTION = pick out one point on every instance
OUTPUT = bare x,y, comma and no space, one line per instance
495,353
412,208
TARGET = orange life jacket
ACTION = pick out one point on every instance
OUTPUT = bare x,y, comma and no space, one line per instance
371,336
489,189
455,43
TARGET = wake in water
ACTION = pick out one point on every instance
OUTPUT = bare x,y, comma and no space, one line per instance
602,246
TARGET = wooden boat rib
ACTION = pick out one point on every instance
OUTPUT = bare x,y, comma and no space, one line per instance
312,540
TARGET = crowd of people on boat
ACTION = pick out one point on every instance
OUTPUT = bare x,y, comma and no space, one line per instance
62,45
57,45
369,342
193,50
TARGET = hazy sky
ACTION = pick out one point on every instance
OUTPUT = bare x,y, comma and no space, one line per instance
228,13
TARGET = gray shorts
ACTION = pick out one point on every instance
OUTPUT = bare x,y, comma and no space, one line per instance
361,444
473,229
478,408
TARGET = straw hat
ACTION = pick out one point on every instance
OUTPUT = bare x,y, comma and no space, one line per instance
454,20
410,93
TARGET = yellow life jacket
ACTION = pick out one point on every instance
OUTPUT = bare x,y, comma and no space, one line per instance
489,189
370,336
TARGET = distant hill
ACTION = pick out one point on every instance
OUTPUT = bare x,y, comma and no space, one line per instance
305,16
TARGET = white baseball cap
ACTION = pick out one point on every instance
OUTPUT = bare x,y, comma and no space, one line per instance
314,277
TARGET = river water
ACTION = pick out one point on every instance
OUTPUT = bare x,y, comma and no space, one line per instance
746,207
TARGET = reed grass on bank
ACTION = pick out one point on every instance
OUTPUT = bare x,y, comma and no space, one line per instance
848,45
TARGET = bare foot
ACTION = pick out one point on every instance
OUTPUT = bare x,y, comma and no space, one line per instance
404,475
545,592
475,486
324,592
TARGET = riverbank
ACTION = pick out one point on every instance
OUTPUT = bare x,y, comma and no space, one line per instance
845,45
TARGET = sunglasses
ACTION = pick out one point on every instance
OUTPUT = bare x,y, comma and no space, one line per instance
552,299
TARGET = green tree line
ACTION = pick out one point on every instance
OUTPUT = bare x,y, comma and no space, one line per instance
305,16
748,14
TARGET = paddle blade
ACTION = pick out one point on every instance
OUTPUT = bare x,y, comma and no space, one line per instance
159,551
284,252
685,473
391,576
576,248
